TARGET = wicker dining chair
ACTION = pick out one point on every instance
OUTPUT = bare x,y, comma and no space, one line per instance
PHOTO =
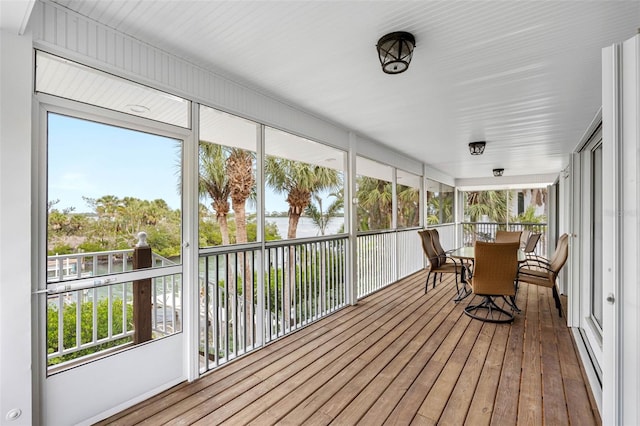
543,272
496,266
532,242
438,263
524,237
508,236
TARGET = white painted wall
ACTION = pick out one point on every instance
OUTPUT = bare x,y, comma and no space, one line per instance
15,228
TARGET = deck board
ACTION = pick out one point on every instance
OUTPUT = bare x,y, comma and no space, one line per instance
530,403
398,357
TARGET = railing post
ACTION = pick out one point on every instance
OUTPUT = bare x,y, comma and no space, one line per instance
142,305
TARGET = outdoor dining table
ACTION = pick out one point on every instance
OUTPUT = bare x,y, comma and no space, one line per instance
466,255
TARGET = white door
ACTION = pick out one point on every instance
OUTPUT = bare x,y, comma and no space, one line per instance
590,246
112,317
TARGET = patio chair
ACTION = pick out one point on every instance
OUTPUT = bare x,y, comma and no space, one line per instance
496,266
530,246
435,235
543,272
438,263
508,236
524,237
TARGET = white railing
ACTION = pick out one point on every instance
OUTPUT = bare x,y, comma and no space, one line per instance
385,257
82,321
249,294
300,282
486,231
410,256
61,267
447,233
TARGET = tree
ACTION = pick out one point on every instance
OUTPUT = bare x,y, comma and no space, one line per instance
239,169
490,203
375,200
408,206
213,181
439,208
298,181
321,218
241,181
529,216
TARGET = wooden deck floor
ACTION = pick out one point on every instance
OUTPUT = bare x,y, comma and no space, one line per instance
398,357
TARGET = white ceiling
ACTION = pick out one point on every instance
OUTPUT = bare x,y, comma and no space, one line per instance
522,75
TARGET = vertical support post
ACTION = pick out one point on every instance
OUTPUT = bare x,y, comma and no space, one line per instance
142,305
351,212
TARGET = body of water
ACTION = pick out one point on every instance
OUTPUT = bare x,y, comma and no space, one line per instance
306,227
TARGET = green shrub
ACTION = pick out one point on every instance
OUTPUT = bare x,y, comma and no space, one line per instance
86,327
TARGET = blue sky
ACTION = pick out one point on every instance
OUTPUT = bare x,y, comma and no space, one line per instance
92,160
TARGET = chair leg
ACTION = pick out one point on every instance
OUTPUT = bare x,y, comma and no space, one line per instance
556,298
426,287
435,276
511,301
490,305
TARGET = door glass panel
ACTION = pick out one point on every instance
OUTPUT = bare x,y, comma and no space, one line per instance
105,185
108,190
596,240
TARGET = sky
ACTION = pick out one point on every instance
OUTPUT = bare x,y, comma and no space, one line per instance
92,160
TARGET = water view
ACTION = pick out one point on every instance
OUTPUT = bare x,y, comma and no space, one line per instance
306,227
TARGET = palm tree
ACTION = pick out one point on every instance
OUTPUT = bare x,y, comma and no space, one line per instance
241,181
321,218
215,183
408,206
439,208
299,181
239,170
490,203
374,203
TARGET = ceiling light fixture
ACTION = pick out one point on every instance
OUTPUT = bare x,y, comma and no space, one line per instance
395,51
477,148
498,172
138,109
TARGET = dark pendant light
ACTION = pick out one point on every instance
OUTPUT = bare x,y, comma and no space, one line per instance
395,51
477,148
498,172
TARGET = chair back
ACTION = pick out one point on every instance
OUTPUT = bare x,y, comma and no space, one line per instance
532,242
427,246
557,261
524,237
495,268
508,236
435,239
